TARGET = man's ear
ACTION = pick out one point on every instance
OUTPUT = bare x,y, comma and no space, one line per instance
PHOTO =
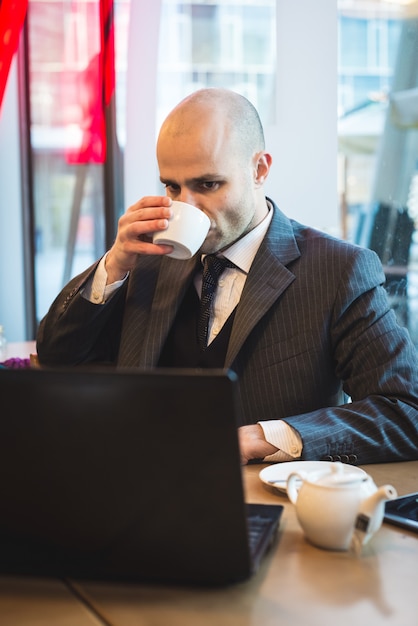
262,164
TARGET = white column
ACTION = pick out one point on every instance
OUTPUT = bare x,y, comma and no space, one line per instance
303,140
140,164
12,300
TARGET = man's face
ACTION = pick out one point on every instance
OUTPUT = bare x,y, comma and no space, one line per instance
204,167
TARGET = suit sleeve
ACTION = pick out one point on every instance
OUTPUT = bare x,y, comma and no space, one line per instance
378,365
76,331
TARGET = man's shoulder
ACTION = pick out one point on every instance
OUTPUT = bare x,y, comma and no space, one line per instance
311,238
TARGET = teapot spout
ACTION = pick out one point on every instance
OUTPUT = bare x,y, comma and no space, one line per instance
370,516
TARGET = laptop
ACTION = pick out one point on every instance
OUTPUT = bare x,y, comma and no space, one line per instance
128,475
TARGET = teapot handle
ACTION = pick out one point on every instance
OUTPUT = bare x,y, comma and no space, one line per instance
293,485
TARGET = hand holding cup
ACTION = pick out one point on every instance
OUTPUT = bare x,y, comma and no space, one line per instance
186,231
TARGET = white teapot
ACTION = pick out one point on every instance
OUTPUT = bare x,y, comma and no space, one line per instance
338,509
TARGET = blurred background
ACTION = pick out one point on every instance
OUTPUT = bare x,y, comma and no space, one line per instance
335,82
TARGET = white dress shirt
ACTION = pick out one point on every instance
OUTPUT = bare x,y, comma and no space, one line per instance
227,296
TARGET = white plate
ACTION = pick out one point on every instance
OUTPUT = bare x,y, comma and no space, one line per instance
276,475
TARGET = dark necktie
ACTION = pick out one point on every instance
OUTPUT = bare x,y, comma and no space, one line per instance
213,266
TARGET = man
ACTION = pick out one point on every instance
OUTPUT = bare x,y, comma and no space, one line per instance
301,317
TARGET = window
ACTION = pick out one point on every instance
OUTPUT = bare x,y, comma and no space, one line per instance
228,43
68,139
378,142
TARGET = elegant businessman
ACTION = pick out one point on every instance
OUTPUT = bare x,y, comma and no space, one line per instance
325,371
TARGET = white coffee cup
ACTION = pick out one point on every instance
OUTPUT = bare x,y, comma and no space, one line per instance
187,229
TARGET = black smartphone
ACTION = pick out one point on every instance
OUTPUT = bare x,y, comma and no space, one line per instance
403,511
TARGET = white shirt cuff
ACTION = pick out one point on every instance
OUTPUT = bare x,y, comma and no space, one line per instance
96,290
285,438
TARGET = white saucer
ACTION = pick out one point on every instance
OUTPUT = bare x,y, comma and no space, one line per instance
276,475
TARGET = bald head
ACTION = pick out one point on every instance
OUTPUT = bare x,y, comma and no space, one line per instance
218,108
211,154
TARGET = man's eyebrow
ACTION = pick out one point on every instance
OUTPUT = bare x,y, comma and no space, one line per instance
193,181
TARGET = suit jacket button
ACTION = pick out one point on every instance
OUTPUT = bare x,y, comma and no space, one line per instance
344,458
337,457
352,459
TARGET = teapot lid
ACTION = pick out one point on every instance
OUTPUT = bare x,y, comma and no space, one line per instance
339,475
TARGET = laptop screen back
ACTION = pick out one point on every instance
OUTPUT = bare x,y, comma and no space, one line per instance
122,474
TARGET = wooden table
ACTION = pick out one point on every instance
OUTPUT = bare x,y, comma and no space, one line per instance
297,585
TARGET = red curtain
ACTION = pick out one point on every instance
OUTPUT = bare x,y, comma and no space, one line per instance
108,49
94,86
12,16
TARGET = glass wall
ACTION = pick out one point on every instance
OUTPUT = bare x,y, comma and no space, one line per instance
68,136
225,43
378,140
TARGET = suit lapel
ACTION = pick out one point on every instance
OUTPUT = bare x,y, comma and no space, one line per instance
157,288
267,280
173,280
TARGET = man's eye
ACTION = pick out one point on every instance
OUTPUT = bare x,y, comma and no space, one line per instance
210,185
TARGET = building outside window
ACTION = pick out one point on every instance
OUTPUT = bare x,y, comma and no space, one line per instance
378,141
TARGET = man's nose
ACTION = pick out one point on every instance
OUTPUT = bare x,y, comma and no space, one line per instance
187,196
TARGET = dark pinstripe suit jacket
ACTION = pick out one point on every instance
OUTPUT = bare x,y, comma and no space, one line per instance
313,321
